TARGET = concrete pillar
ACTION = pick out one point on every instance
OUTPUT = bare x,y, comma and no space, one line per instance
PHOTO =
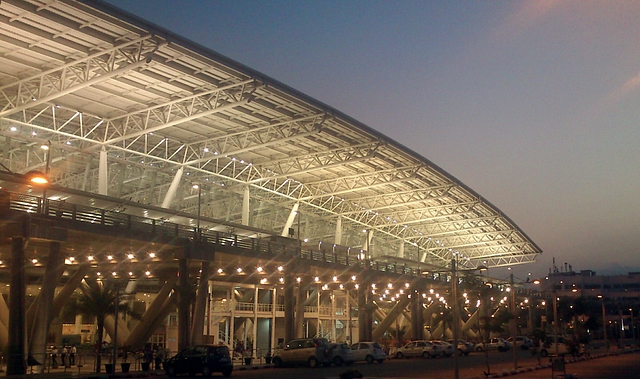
87,170
245,206
390,318
197,329
67,290
173,189
289,308
43,304
417,317
290,219
152,312
103,179
16,362
338,239
168,306
184,304
367,243
401,249
301,298
362,313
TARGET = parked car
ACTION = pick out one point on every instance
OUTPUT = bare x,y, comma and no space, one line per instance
204,359
447,348
499,344
464,347
368,351
420,348
525,343
342,353
549,346
310,351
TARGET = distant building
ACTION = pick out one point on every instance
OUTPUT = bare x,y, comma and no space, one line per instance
587,283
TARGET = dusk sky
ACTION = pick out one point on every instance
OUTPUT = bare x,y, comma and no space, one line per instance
533,104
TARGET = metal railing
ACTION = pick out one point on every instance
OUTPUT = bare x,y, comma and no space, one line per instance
63,210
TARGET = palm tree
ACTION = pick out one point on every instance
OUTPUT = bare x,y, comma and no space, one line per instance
97,300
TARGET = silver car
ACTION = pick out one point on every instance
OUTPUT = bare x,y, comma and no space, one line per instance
342,354
368,351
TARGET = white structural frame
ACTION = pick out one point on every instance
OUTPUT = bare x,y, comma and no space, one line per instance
90,78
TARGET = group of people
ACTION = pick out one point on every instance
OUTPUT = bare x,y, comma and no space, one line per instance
67,355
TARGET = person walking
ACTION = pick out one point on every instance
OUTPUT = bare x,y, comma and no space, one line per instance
72,355
64,356
54,357
159,358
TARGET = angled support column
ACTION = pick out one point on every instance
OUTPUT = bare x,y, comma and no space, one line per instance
151,314
290,219
16,362
4,323
41,315
338,239
197,329
173,189
67,290
393,314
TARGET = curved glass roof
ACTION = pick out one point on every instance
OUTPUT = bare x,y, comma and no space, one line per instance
106,89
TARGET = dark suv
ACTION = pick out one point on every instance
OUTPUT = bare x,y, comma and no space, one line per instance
204,359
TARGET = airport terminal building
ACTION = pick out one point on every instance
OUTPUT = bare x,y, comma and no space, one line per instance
219,204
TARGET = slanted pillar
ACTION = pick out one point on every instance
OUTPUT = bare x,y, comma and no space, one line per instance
67,290
390,318
173,189
338,239
149,316
103,179
16,363
197,329
290,219
245,206
43,304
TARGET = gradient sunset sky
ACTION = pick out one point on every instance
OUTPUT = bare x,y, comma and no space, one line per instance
533,104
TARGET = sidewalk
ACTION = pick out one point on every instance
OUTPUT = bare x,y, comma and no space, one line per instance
88,371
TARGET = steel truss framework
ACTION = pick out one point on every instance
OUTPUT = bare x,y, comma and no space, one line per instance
88,78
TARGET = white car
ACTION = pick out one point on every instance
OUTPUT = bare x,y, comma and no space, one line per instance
499,344
423,349
447,348
464,347
368,351
341,354
522,341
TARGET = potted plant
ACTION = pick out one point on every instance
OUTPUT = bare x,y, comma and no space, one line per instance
247,354
124,365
